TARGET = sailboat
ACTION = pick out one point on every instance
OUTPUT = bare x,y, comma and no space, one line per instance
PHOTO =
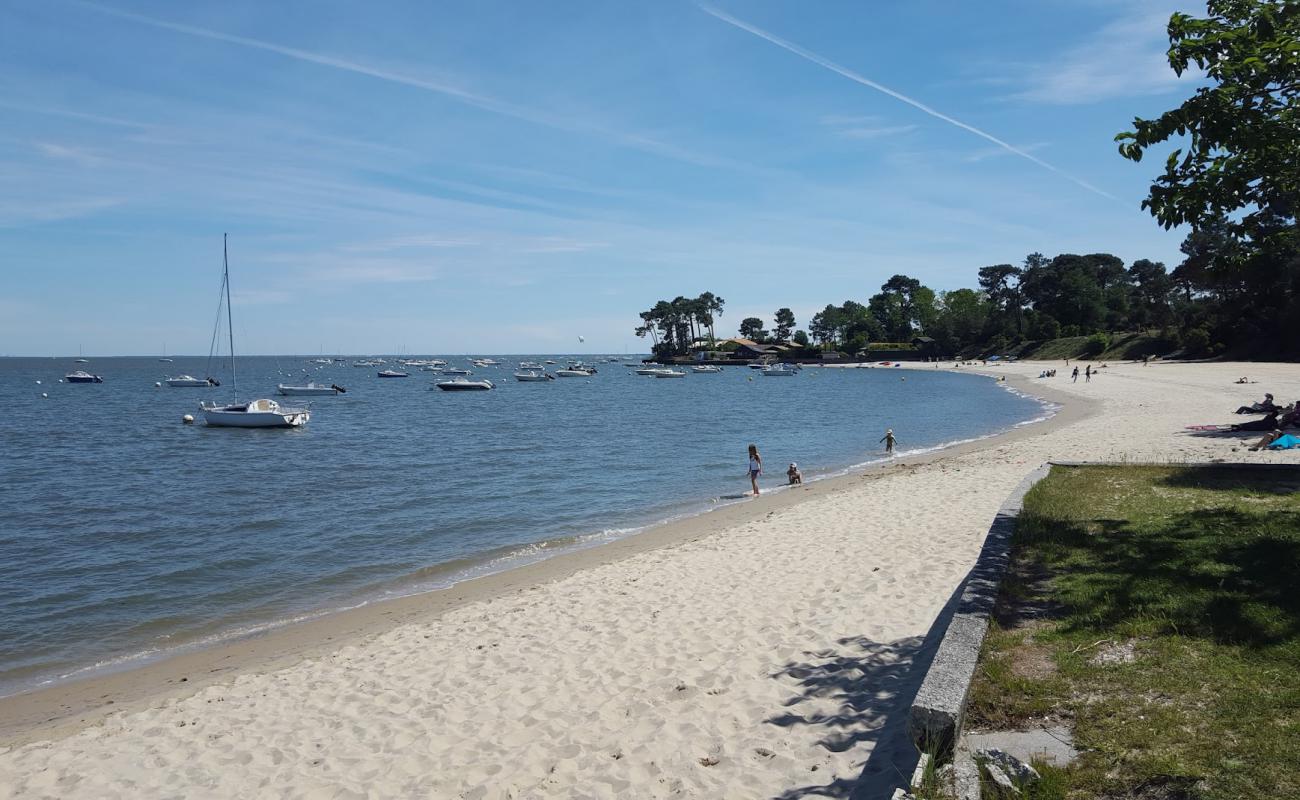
261,413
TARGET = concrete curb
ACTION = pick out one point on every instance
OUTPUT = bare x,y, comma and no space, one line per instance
1242,465
936,715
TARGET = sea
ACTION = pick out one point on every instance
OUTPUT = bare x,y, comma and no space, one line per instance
127,535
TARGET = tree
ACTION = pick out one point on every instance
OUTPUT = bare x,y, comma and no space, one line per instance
1242,133
752,328
784,324
959,320
1235,173
1150,288
801,338
1001,285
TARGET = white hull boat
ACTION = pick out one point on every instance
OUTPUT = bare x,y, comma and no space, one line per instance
261,413
669,373
463,385
572,373
651,371
264,413
456,371
81,376
392,373
779,372
188,382
532,375
309,390
706,369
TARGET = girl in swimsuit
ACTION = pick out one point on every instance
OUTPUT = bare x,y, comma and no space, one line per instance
755,466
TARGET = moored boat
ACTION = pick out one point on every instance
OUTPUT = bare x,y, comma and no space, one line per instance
309,390
263,413
465,385
260,413
392,373
670,373
706,368
189,382
81,376
533,375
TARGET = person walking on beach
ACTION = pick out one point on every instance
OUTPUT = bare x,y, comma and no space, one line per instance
1087,374
755,466
1075,375
889,441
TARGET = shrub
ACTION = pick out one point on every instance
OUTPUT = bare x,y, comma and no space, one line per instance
1196,340
1096,344
1044,326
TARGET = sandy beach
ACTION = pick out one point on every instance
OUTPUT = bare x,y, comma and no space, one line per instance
768,649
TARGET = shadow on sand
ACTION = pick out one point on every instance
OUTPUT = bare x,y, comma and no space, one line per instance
873,685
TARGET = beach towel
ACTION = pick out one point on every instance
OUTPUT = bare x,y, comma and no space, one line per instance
1285,443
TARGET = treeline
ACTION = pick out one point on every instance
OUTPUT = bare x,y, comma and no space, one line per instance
1194,309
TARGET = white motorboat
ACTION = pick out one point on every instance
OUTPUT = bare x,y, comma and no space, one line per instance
464,385
576,371
81,376
309,390
706,368
651,371
365,363
530,365
670,373
189,382
533,375
264,413
392,373
456,371
430,368
780,371
322,361
550,361
260,413
166,360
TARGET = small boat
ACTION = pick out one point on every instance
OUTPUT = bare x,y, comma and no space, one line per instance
464,385
264,413
322,361
670,373
533,375
166,360
392,373
651,371
780,371
758,365
81,376
189,382
80,361
576,370
309,390
365,363
529,365
456,371
550,361
261,413
706,368
430,368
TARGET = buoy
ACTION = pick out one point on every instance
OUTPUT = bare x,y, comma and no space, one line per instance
43,394
187,419
38,383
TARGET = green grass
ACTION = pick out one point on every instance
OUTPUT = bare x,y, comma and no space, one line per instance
1199,572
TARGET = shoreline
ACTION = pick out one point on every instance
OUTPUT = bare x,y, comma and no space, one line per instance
65,707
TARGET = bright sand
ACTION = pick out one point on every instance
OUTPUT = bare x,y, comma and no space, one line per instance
769,649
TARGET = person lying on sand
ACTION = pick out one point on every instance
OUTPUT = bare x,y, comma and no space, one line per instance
1259,408
1266,424
1267,440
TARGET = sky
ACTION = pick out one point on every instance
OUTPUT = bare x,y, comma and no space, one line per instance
506,177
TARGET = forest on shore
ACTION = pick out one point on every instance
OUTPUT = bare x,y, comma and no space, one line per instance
1233,180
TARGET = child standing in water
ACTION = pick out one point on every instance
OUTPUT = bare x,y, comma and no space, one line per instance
889,441
755,466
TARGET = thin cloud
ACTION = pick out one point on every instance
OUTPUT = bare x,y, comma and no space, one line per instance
865,81
480,101
877,133
1125,58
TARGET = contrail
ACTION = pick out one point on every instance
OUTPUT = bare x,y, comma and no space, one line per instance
633,140
865,81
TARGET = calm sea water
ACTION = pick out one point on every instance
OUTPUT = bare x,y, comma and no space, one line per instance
124,534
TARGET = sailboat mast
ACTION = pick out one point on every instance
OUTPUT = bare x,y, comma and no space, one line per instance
230,323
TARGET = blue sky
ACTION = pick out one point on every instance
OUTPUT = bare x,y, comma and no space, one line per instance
506,177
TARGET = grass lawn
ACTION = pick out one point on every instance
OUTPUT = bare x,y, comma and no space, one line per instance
1156,610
